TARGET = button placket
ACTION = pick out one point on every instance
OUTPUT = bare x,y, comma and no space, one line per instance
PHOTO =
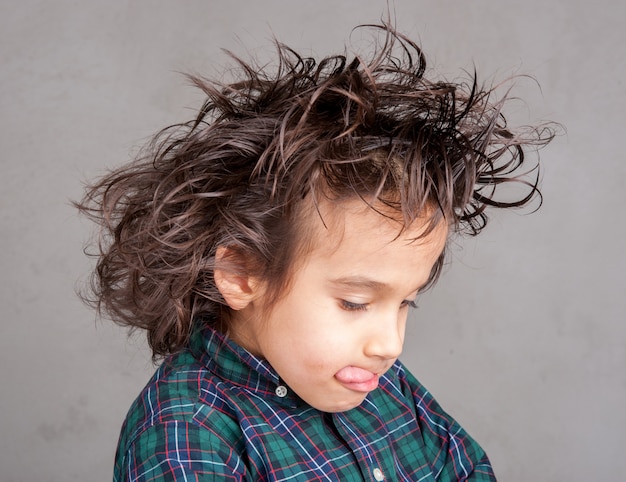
377,456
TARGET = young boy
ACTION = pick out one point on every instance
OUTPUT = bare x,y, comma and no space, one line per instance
272,247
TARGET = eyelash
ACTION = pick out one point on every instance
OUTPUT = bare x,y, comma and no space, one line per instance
350,306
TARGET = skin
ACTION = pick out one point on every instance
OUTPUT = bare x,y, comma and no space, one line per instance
341,324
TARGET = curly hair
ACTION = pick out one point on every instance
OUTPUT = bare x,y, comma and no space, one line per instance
279,137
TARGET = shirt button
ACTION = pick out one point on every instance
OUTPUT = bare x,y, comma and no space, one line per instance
281,391
378,474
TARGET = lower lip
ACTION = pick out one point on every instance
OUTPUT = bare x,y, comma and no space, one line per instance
364,387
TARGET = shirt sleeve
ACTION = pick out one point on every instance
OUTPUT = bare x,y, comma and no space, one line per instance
455,455
179,451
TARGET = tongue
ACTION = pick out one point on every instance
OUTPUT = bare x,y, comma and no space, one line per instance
353,375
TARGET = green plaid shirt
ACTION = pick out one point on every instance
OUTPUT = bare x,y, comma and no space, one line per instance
216,412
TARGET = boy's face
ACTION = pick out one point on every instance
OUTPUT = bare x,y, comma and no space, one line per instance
341,324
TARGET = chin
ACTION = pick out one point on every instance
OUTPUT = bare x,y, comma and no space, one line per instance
341,406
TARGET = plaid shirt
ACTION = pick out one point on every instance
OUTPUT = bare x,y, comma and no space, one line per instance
216,412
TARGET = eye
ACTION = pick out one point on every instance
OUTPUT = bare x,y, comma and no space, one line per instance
409,303
350,306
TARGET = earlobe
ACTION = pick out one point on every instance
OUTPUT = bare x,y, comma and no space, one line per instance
232,279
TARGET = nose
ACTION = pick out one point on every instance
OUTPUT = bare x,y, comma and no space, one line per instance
386,339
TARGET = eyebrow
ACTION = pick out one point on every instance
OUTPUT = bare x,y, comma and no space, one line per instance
361,282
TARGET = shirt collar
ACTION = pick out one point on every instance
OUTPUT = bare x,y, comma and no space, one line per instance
229,361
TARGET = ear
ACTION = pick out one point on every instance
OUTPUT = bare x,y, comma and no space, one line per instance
232,278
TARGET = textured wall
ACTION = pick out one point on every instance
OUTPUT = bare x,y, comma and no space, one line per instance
524,339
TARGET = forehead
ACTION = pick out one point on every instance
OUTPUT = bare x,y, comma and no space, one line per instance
333,223
352,236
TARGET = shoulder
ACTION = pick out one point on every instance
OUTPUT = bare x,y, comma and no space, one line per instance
181,389
183,412
400,382
454,452
427,409
179,450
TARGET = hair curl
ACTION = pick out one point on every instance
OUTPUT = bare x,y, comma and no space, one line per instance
239,173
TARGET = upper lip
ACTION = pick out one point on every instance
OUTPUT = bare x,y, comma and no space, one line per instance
379,371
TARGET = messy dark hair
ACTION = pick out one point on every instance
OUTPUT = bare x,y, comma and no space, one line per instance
279,137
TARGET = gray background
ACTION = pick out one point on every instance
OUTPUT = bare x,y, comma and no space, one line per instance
524,339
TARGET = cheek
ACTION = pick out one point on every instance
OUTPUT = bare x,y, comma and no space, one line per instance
315,353
314,337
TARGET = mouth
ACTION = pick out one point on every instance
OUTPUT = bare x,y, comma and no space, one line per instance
357,379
